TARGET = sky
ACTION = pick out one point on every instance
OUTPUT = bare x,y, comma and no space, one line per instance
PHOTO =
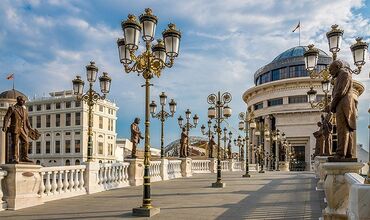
46,43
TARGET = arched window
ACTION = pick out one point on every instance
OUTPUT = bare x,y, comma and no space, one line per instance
47,134
77,162
68,163
100,161
38,162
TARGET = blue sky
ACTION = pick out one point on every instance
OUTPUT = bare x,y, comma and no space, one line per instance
46,43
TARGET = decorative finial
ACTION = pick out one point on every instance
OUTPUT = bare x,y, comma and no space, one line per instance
148,11
131,17
334,26
172,26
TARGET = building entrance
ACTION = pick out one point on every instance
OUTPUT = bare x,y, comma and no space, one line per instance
297,160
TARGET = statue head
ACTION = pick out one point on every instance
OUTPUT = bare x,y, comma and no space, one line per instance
319,124
183,129
20,101
336,65
137,120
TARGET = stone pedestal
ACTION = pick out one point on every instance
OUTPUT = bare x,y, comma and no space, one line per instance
213,165
337,189
164,169
218,185
359,197
320,160
144,212
21,185
92,177
231,164
136,171
253,167
284,165
3,174
186,167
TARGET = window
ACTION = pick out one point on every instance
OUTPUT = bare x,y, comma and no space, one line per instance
30,120
47,134
38,107
100,122
57,134
30,108
266,77
68,163
101,108
77,162
38,121
67,146
57,105
30,145
110,149
258,105
38,147
77,118
298,99
273,102
77,104
47,147
48,106
68,133
297,71
77,133
100,148
68,119
57,120
275,75
77,146
48,119
57,147
68,104
38,162
284,73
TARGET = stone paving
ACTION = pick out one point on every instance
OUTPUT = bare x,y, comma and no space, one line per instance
272,195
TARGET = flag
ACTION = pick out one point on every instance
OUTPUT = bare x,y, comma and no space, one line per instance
10,76
298,26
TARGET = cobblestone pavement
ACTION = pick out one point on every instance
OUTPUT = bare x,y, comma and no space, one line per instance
272,195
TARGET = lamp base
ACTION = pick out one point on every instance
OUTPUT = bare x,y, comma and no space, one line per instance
246,175
218,185
145,212
261,171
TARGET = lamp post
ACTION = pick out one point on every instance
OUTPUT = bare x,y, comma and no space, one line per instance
225,138
247,122
218,106
238,142
188,126
209,133
162,115
149,63
91,97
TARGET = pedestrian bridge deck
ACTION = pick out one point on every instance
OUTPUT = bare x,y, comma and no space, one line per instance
272,195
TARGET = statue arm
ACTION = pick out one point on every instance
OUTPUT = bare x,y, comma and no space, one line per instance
341,88
6,118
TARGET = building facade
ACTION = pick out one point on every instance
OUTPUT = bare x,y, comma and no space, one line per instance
62,121
279,101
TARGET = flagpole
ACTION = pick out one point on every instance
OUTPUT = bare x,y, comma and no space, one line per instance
299,33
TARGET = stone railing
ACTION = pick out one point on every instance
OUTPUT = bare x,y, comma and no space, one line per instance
155,171
113,175
359,197
237,166
200,166
224,165
61,182
3,174
174,169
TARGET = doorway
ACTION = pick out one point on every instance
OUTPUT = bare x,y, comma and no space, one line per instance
297,159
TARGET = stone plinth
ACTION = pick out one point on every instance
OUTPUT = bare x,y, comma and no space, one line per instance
320,160
253,167
164,169
213,165
284,166
21,185
231,164
3,174
359,197
145,212
92,177
186,167
136,171
337,189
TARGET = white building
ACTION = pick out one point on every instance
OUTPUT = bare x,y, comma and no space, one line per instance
63,124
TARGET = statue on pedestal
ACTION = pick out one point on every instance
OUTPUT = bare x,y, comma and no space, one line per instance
20,130
344,106
319,140
327,130
229,153
183,143
135,136
211,144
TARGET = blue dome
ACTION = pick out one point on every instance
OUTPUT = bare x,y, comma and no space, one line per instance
296,52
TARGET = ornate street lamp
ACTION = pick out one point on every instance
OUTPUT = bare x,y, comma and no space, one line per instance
150,63
219,102
162,115
91,97
225,138
188,126
209,133
247,123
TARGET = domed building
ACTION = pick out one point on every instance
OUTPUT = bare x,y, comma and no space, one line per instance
279,101
7,98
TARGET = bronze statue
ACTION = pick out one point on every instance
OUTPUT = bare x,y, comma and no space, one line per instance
211,144
344,106
229,153
135,136
20,130
183,143
327,129
319,140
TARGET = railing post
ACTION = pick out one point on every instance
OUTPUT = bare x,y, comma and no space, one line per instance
186,170
136,172
92,177
231,165
164,169
3,174
213,165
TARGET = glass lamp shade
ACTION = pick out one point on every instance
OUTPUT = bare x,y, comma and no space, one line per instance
159,51
241,125
274,138
209,123
105,82
203,129
152,107
257,133
91,72
334,38
227,111
131,32
211,112
311,95
196,119
326,85
253,124
180,120
230,135
123,51
188,114
171,38
163,98
359,52
173,105
149,23
310,57
78,85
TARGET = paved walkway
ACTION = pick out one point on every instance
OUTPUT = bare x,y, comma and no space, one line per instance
273,195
